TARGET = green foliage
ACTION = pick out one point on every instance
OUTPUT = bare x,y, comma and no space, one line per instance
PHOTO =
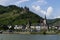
12,15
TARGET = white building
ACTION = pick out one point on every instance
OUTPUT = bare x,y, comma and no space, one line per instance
17,27
9,26
36,28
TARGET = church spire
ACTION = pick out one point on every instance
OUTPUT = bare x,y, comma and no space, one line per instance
45,21
45,17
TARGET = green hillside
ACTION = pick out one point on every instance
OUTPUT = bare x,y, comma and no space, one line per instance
13,15
55,22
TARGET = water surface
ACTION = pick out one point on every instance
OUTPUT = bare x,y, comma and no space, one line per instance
28,37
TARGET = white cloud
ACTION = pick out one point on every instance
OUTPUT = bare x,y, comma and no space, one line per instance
6,2
43,12
39,10
36,8
9,2
21,1
42,1
49,10
39,2
57,17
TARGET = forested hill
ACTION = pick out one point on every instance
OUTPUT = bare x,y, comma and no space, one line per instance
13,15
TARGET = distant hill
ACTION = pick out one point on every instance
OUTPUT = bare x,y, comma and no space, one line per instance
13,15
55,22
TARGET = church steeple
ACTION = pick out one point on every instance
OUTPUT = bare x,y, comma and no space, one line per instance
45,17
45,21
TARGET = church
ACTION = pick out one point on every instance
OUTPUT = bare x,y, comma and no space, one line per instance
44,24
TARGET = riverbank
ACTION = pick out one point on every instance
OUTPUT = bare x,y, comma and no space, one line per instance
15,32
44,33
47,33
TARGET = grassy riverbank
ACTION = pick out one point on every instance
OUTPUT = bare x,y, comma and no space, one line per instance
47,33
16,33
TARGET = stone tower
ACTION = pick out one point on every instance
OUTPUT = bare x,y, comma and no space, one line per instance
26,9
45,23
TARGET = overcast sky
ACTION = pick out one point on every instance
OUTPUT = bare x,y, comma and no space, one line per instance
50,8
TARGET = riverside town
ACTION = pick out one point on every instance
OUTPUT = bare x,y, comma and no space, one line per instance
42,27
39,28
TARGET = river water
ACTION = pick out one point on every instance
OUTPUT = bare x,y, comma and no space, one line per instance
28,37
